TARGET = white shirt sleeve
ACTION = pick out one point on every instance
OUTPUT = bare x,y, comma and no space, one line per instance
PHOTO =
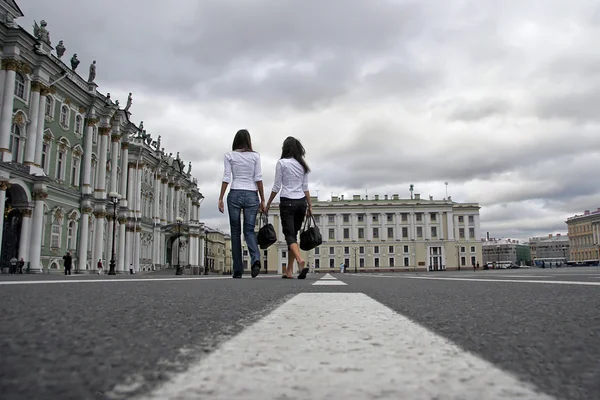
257,169
305,182
278,177
227,169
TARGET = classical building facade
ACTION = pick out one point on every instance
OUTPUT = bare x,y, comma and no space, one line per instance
216,250
67,151
584,236
389,233
503,251
551,246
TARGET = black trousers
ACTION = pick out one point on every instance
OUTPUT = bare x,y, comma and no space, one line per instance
292,212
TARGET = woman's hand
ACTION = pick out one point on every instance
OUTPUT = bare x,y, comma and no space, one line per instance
262,207
309,211
221,206
266,208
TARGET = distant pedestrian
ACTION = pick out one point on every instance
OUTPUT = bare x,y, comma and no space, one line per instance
243,171
13,265
341,268
20,265
291,177
68,261
99,266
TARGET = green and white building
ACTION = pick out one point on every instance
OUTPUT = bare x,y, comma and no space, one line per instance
71,160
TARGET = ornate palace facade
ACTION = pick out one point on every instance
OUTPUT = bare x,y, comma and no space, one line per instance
66,151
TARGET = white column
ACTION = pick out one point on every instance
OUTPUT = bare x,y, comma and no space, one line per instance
100,190
39,136
476,226
369,230
450,225
172,206
109,237
177,200
339,233
131,187
84,229
114,161
99,237
7,106
427,233
25,232
138,190
156,205
383,230
353,233
156,245
87,156
35,247
121,261
398,229
3,186
124,172
137,247
413,226
188,214
202,245
32,129
163,207
128,260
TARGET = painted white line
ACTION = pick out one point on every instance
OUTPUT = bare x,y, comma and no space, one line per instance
341,346
329,283
526,276
112,280
502,280
328,276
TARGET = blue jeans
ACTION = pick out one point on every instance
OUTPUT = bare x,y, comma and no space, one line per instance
246,201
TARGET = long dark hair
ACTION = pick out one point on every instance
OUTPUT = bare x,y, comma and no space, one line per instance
242,141
292,148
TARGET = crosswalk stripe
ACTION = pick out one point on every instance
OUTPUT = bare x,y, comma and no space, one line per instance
329,280
325,346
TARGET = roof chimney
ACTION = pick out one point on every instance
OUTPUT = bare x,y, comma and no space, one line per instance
356,197
386,197
397,196
376,197
417,196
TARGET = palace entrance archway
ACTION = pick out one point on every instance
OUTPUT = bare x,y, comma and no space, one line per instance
16,200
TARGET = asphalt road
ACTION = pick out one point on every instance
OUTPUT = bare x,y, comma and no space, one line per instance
101,337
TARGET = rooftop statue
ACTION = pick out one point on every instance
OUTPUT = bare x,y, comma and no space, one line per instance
129,101
40,32
92,74
60,49
74,62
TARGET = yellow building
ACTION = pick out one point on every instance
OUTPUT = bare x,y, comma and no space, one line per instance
228,263
584,236
215,251
387,234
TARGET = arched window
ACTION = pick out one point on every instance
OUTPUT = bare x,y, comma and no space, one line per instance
49,106
71,235
20,86
75,164
64,115
78,123
15,140
56,233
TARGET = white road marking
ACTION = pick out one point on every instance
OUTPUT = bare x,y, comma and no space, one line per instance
328,276
324,346
111,280
329,280
498,280
525,276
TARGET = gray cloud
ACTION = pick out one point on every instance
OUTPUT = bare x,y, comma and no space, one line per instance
500,101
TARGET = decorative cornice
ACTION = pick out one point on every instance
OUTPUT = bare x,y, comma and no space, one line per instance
124,146
24,68
10,64
109,217
131,164
86,210
177,187
44,91
164,180
39,194
67,101
100,214
115,138
171,184
141,165
4,185
81,109
122,220
92,121
26,213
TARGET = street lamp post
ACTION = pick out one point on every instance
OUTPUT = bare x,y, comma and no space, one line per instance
355,260
179,222
114,199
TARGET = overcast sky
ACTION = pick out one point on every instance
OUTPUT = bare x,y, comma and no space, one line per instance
499,98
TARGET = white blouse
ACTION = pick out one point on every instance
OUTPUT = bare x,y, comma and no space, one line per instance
290,178
242,169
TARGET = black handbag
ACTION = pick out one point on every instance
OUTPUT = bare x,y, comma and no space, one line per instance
266,232
310,236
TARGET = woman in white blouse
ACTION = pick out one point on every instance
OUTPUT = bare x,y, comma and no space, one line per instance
243,172
291,177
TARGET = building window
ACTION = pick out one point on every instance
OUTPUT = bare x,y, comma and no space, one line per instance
71,234
391,249
461,219
60,163
361,217
75,171
434,231
471,219
472,249
15,141
361,233
331,263
49,105
471,232
346,233
405,233
404,217
390,218
419,231
78,122
317,218
361,249
375,218
317,251
405,249
346,250
55,238
331,233
375,233
419,217
361,262
461,233
433,217
317,263
463,260
346,218
19,86
45,157
64,115
332,250
463,249
376,249
283,253
390,234
331,219
406,261
473,260
376,262
391,261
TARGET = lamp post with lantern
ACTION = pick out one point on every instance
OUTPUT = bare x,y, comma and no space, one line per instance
179,222
114,199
